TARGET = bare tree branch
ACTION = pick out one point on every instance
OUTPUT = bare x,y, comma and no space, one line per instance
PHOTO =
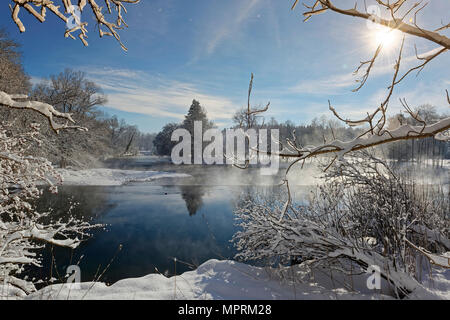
405,132
376,134
11,101
111,27
394,23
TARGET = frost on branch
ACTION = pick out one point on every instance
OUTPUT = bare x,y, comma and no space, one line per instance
20,102
38,8
23,230
366,214
438,130
401,16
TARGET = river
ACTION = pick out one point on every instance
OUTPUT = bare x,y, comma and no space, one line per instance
190,219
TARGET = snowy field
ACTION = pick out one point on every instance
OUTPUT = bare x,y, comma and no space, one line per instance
227,279
113,177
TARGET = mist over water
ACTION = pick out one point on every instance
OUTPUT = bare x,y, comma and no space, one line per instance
427,175
187,218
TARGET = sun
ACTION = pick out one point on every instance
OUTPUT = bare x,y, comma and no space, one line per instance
386,37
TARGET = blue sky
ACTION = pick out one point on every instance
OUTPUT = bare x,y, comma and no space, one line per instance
206,49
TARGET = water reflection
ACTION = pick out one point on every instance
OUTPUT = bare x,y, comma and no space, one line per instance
154,224
191,220
192,195
87,202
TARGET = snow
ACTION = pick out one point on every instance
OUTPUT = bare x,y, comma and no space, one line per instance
383,136
112,177
212,280
228,280
43,108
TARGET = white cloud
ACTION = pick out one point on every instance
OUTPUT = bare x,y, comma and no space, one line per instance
330,85
137,92
432,93
37,80
230,24
422,93
344,82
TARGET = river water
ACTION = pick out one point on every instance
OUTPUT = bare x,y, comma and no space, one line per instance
190,219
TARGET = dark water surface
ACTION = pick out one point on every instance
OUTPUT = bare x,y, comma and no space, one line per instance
153,222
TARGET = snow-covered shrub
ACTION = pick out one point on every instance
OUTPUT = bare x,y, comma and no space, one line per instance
364,215
23,230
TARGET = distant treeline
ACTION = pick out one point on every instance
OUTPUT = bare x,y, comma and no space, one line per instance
320,130
420,151
313,133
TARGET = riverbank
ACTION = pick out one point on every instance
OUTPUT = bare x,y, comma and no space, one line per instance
113,177
229,280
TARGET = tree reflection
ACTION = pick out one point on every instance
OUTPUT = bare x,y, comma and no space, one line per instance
88,202
192,195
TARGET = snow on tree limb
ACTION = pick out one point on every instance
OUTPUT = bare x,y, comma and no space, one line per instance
24,286
374,123
111,27
45,109
439,260
23,229
362,198
394,23
404,132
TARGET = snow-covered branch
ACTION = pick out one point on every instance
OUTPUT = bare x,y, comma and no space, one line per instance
321,6
20,102
366,214
24,230
340,148
111,28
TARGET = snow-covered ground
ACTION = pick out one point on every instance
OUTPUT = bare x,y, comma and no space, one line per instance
113,177
227,279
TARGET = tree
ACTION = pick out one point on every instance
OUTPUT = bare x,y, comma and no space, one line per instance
422,150
362,201
145,141
240,119
73,20
163,142
70,91
132,132
196,113
12,76
365,215
22,228
248,118
375,132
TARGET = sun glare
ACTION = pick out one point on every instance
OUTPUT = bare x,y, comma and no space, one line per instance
387,37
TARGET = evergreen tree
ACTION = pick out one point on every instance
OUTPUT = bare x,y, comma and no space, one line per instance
162,141
196,113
